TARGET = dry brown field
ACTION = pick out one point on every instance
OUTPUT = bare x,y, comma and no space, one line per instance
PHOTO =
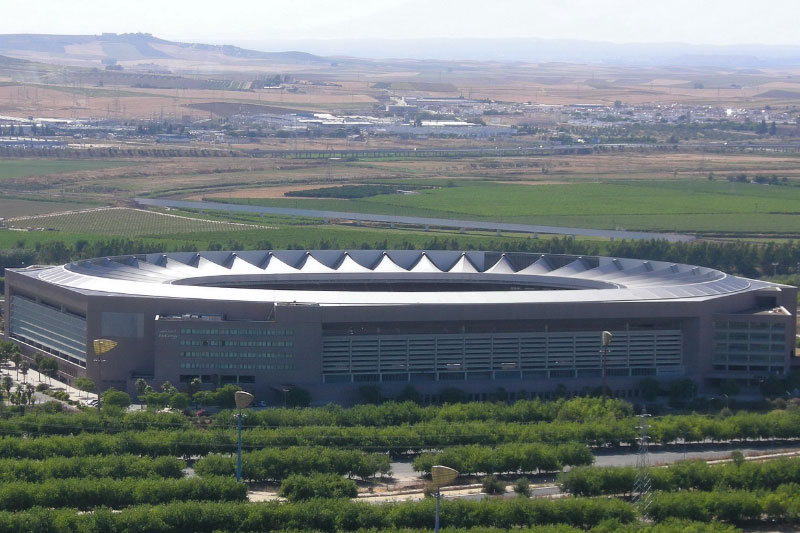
350,88
265,177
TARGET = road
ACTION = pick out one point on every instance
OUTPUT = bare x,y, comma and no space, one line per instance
418,221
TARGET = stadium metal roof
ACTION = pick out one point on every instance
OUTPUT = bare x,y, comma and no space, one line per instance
226,275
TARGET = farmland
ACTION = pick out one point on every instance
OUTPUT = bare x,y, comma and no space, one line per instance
124,222
18,168
17,207
685,206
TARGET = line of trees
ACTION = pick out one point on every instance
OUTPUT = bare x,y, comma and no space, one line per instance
273,464
527,458
578,409
404,439
100,466
116,493
691,475
736,507
327,515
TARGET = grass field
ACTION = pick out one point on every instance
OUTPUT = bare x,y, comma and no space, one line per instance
685,205
19,168
125,223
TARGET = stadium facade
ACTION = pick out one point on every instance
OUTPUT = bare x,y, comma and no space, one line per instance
333,321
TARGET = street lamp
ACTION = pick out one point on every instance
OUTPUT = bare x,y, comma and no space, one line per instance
242,399
101,346
605,341
441,476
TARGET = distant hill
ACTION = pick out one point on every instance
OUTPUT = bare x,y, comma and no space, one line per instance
111,48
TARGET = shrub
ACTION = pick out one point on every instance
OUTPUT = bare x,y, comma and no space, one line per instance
297,487
492,485
522,487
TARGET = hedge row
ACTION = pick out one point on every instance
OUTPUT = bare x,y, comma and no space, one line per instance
116,493
90,420
736,507
579,409
506,458
690,475
407,439
271,464
320,515
101,466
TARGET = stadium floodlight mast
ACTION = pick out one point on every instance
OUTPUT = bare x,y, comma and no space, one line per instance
101,346
441,476
605,341
242,399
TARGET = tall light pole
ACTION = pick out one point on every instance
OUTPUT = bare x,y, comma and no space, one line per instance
243,399
441,476
605,341
101,346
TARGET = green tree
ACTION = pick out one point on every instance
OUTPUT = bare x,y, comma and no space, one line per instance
25,366
7,383
522,487
49,367
297,397
16,357
298,488
115,398
83,383
141,387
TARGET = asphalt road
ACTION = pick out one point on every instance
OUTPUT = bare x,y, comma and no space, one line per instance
418,221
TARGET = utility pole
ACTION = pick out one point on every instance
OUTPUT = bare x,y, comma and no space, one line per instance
643,484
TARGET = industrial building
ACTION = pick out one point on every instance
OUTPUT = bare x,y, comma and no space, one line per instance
332,321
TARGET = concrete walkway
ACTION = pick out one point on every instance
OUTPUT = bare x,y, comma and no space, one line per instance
35,378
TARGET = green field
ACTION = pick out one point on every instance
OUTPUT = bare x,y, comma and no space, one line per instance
686,206
19,168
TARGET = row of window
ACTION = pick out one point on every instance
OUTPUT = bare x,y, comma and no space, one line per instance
239,355
743,336
208,378
234,366
233,331
775,326
228,342
420,377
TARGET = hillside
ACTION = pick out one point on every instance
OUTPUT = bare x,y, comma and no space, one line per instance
131,49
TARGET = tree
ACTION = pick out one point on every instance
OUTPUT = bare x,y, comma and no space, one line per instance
83,383
297,397
16,357
25,367
492,485
49,367
7,383
370,394
451,395
773,129
115,398
650,389
168,388
141,387
522,487
194,385
298,487
28,392
409,394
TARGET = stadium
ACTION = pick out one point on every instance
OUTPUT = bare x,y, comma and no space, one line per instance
333,321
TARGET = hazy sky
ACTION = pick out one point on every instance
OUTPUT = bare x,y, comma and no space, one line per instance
242,21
